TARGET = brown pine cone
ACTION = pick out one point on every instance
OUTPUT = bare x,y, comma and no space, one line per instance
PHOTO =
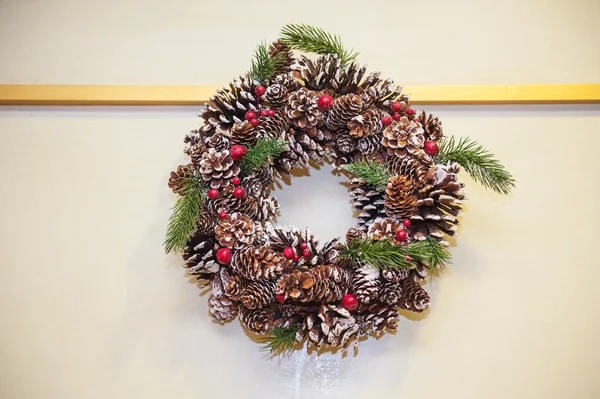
287,81
229,203
390,293
408,167
302,110
384,229
222,309
369,204
318,74
200,256
345,144
432,126
403,137
233,285
288,314
258,294
400,197
381,316
258,321
369,145
217,141
218,168
414,297
331,326
365,284
344,109
258,263
206,223
279,47
235,231
268,208
366,124
243,134
177,180
327,282
276,95
354,233
394,276
281,237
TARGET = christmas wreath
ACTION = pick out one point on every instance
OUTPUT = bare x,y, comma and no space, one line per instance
290,111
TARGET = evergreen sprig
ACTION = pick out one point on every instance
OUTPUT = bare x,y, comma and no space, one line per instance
383,254
315,40
264,67
261,154
374,174
280,340
187,209
478,162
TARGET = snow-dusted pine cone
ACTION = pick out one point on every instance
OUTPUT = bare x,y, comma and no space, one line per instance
222,309
235,231
322,283
403,137
432,126
258,294
177,180
276,95
302,110
414,297
344,109
217,168
400,197
331,326
258,263
258,321
366,124
365,284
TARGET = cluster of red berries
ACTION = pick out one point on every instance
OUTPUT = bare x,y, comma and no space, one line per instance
251,116
237,152
290,253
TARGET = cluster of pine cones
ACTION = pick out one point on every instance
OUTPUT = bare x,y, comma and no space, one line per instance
369,119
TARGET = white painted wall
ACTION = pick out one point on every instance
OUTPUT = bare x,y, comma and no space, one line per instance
92,308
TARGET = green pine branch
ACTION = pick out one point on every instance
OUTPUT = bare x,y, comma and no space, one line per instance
315,40
383,254
187,209
280,340
478,162
265,67
374,174
261,154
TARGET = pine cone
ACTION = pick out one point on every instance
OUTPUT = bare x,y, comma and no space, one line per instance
302,110
369,203
217,141
332,326
222,309
235,231
414,297
354,233
243,134
288,314
381,316
345,144
265,176
206,223
409,167
218,168
293,156
258,294
318,74
390,293
366,124
229,203
194,146
176,181
394,276
344,109
384,228
268,209
365,284
276,95
328,283
400,197
258,321
200,256
369,145
432,126
279,47
233,285
258,263
287,81
403,137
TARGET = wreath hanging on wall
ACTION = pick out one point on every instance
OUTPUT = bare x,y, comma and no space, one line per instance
289,112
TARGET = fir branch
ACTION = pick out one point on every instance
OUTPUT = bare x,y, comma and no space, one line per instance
315,40
478,162
374,174
430,253
182,223
280,340
264,67
261,154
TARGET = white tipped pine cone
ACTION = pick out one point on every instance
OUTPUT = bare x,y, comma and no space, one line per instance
222,309
403,137
365,284
302,110
217,168
235,231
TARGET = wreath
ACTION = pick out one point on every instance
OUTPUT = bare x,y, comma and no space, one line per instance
291,111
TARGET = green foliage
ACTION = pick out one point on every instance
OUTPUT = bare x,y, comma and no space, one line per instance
280,340
478,162
383,254
374,174
261,154
187,209
263,66
315,40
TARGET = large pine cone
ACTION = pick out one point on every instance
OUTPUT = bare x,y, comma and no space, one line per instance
366,124
344,109
365,284
390,293
381,316
432,126
414,297
217,168
279,47
177,179
258,294
409,167
332,326
318,74
258,263
258,321
222,309
322,283
369,204
293,156
403,137
200,256
384,229
400,197
235,231
302,110
276,95
243,134
229,203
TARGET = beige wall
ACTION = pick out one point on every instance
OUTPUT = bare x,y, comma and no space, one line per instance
92,308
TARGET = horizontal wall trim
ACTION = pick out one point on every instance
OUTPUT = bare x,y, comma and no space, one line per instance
198,95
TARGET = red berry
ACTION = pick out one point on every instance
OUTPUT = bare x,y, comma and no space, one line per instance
235,181
280,298
296,258
325,102
263,112
408,258
304,245
406,222
306,253
288,253
260,90
254,122
396,106
401,235
223,215
431,147
271,113
237,152
250,115
239,192
396,116
350,302
410,111
213,193
224,256
386,120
